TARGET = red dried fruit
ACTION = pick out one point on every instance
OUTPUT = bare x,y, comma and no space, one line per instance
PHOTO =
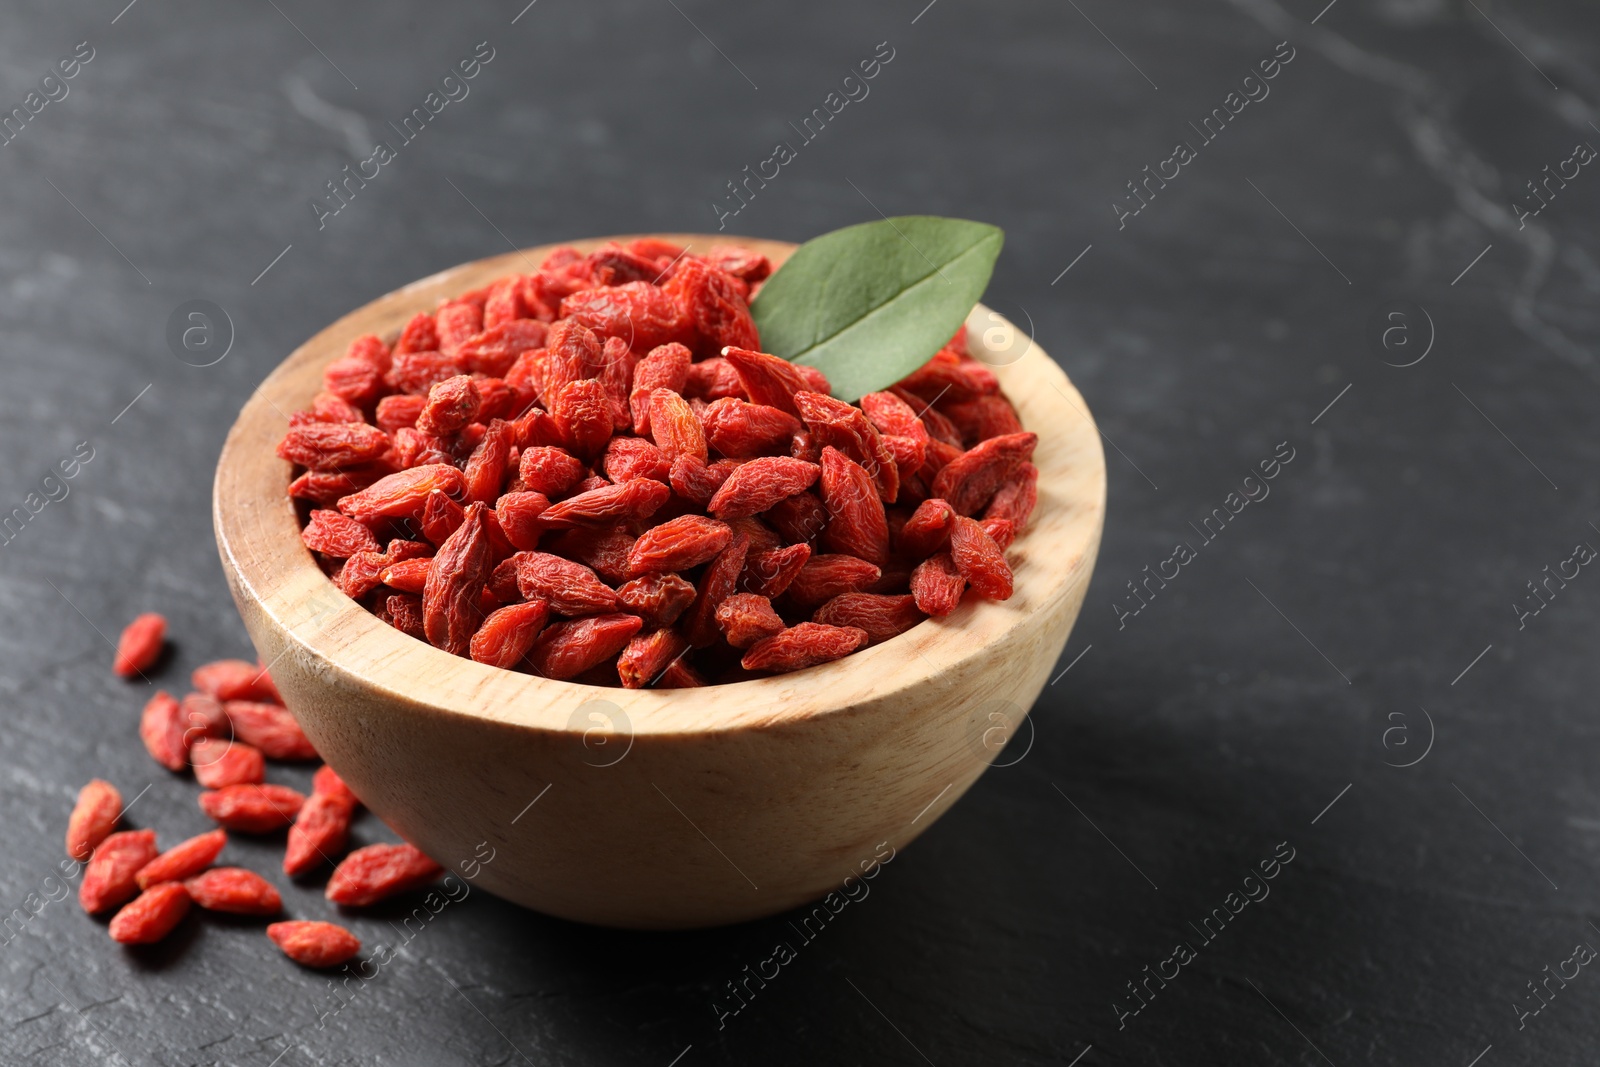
603,550
269,727
648,655
657,598
486,467
739,262
714,304
637,312
1016,497
508,633
329,407
325,488
183,860
451,405
679,675
949,377
830,574
228,679
567,649
518,514
805,645
937,585
327,781
665,367
417,372
859,525
674,427
697,482
893,416
154,915
330,446
457,324
408,576
219,762
139,645
835,424
982,417
758,484
718,582
314,944
111,877
235,891
970,480
568,586
161,729
493,351
770,573
928,529
767,379
632,501
1003,531
746,618
356,381
94,816
678,544
252,808
377,872
979,560
799,518
627,458
743,431
882,617
616,376
583,416
404,494
713,379
551,471
450,611
419,335
403,611
336,535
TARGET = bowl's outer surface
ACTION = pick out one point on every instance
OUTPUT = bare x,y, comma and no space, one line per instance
647,808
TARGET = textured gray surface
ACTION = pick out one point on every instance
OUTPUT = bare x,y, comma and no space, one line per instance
1197,737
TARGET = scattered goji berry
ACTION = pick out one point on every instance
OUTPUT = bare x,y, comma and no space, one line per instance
314,944
112,874
152,916
222,762
377,872
269,727
183,860
161,728
140,644
94,816
235,891
327,780
252,808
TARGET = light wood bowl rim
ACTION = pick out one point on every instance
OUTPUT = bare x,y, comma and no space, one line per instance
258,538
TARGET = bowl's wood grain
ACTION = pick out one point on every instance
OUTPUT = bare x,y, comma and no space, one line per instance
704,806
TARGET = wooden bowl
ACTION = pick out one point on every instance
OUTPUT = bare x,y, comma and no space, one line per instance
653,808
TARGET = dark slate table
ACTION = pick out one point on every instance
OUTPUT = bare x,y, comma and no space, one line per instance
1347,680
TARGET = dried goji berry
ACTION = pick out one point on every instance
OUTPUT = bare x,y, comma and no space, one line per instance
825,576
739,262
567,649
161,728
508,633
665,367
637,312
330,407
494,350
678,544
450,602
457,323
583,415
674,427
756,485
770,573
835,424
139,645
403,611
805,645
633,457
714,304
417,372
767,379
235,891
979,560
151,917
713,379
858,525
327,780
94,816
982,417
112,874
336,535
882,617
970,480
568,586
698,482
1016,497
602,549
798,518
325,488
220,762
720,579
376,872
419,335
404,494
551,471
746,618
314,944
648,655
928,529
232,679
1002,531
269,727
519,518
937,585
183,860
331,446
632,501
679,675
741,430
657,598
486,467
252,808
408,576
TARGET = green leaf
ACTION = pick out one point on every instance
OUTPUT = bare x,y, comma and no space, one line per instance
869,304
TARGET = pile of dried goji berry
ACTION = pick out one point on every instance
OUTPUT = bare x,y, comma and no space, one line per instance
592,472
225,731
